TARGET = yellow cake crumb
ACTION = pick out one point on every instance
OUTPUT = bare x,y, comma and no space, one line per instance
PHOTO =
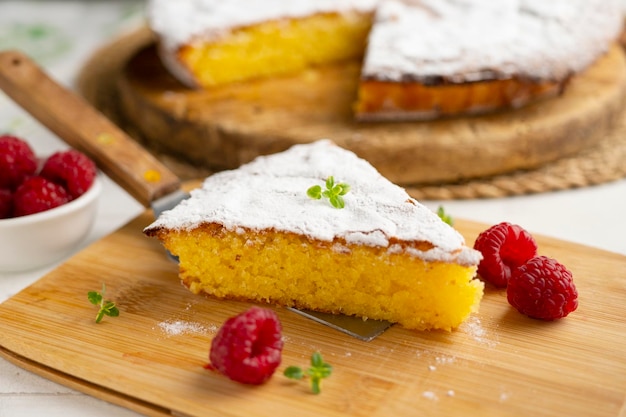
277,47
292,270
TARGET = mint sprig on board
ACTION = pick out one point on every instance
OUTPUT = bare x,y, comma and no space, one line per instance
333,192
106,307
316,372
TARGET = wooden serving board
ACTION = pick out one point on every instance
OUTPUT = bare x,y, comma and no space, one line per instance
499,363
222,128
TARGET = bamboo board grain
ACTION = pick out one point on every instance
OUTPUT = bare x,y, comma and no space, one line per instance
497,364
222,128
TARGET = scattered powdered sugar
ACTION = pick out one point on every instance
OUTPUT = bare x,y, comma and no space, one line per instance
180,327
430,395
384,351
439,360
474,328
504,396
445,360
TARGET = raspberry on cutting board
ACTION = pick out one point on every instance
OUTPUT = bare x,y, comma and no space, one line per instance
542,288
17,161
248,347
537,286
72,169
37,194
505,247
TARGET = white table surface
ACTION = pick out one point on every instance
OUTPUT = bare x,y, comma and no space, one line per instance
61,35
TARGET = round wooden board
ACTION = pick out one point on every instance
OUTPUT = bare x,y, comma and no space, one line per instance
488,156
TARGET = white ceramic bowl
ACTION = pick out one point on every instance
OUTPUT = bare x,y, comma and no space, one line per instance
39,239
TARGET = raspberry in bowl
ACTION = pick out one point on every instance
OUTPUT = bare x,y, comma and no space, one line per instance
44,214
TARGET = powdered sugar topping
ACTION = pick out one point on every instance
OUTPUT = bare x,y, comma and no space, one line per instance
270,193
425,40
469,40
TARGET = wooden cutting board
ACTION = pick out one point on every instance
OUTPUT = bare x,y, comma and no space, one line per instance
150,358
224,127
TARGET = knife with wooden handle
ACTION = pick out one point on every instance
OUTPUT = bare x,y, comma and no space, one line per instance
151,183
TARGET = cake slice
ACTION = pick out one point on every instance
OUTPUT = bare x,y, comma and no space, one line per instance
254,234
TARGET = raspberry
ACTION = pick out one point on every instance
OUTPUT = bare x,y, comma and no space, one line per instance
248,347
17,161
504,247
543,289
72,169
6,203
38,194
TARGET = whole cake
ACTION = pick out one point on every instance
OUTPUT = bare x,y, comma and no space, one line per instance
423,59
254,234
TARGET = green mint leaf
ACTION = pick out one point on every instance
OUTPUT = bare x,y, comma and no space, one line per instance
294,372
324,371
315,386
316,359
314,192
333,192
94,297
333,201
106,308
99,316
345,188
110,309
318,371
319,368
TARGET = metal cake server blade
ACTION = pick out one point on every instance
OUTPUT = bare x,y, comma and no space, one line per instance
132,167
363,329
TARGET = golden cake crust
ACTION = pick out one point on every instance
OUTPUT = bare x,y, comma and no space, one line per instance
393,101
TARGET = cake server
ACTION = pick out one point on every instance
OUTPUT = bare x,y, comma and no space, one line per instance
132,167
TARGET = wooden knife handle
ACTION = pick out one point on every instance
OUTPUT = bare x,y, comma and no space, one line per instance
83,127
